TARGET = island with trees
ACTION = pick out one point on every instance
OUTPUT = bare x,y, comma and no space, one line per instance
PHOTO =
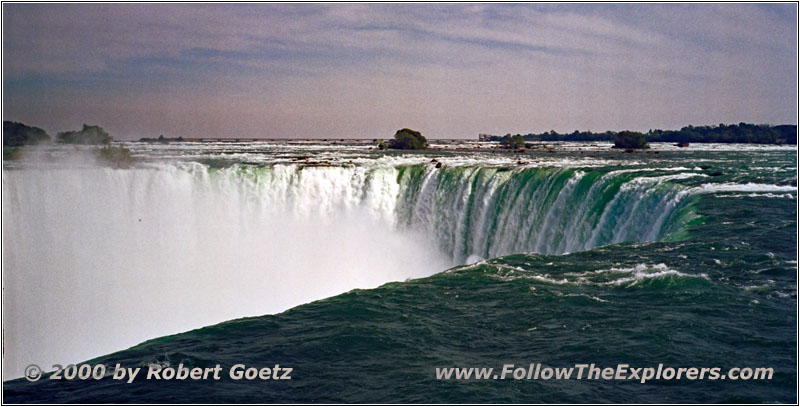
407,139
18,135
512,142
722,133
161,139
86,135
630,140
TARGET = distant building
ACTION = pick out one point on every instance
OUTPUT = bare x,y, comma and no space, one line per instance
485,137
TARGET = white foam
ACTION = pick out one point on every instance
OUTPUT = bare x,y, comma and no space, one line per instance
630,276
748,187
640,276
762,195
547,279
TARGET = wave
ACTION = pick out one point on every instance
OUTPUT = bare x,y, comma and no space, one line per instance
763,195
640,275
748,187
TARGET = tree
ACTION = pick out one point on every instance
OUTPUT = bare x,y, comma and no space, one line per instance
513,142
116,157
407,139
630,139
17,134
87,135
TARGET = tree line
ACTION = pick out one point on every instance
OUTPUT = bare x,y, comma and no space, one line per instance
17,135
731,133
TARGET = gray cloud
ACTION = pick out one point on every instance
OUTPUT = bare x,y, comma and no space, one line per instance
363,70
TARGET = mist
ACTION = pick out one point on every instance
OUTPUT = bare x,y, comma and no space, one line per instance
97,260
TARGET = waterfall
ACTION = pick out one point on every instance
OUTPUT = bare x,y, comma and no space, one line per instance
98,259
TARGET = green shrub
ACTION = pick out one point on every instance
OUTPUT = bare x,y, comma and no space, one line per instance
512,142
407,139
12,153
87,135
17,134
630,140
115,156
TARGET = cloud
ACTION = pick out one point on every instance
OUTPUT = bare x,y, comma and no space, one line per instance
362,69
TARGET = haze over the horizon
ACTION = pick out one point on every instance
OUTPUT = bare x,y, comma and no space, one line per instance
365,70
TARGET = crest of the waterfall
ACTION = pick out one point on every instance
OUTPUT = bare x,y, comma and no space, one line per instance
474,212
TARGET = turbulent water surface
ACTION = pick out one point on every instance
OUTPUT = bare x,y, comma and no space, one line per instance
580,254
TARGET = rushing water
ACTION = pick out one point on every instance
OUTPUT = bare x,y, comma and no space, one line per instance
583,255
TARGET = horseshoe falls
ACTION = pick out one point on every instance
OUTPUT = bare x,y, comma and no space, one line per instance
476,212
395,263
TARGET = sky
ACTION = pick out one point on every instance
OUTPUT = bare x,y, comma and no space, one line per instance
365,70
